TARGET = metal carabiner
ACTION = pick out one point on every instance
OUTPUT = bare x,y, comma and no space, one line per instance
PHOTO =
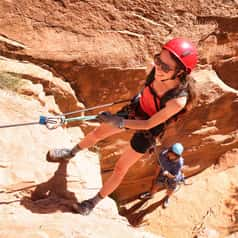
52,122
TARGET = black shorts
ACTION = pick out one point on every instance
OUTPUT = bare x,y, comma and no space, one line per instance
171,184
141,141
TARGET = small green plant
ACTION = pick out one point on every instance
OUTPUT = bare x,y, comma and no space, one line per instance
10,81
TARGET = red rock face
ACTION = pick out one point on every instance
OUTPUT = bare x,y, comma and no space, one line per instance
96,52
227,70
205,132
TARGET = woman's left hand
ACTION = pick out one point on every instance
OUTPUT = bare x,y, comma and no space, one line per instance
166,173
114,120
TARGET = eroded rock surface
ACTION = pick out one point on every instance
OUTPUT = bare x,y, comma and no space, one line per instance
82,53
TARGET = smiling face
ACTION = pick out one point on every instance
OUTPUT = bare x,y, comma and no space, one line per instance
165,66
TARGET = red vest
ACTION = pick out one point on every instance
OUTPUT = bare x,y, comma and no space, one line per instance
147,101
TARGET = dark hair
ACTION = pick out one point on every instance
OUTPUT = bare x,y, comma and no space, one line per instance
180,65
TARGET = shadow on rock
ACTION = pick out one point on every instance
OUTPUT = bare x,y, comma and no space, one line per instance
232,204
51,196
135,215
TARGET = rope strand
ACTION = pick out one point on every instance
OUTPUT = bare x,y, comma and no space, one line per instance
96,107
52,122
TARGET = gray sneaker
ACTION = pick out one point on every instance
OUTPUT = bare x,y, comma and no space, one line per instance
146,195
84,208
166,202
59,155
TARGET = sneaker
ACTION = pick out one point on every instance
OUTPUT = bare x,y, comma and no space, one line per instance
59,155
84,208
166,202
146,195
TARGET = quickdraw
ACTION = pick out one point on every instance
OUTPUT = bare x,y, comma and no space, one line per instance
55,122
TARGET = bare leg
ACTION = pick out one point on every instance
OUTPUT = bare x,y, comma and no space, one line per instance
166,199
127,159
99,133
154,188
170,192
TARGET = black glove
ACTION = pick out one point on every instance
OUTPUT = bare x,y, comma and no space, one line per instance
114,120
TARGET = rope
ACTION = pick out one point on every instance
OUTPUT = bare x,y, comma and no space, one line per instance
96,107
81,118
19,124
53,122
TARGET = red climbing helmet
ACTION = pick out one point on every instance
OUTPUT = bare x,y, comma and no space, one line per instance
184,50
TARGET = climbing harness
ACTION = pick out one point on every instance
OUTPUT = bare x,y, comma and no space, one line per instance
53,122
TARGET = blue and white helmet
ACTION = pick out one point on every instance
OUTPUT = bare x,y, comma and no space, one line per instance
177,148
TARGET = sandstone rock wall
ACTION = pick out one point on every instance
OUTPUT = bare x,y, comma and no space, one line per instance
88,50
36,196
207,131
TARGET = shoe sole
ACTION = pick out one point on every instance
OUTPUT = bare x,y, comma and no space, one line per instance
53,160
77,209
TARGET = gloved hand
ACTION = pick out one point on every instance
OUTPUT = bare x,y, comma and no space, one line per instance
114,120
168,174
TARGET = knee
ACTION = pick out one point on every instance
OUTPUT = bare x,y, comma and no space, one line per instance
170,192
120,170
96,134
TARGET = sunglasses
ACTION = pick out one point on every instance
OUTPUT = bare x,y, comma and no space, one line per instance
166,68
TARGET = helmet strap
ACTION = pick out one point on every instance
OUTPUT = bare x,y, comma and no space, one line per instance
178,73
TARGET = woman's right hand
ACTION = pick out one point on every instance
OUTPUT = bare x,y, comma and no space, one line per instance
114,120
